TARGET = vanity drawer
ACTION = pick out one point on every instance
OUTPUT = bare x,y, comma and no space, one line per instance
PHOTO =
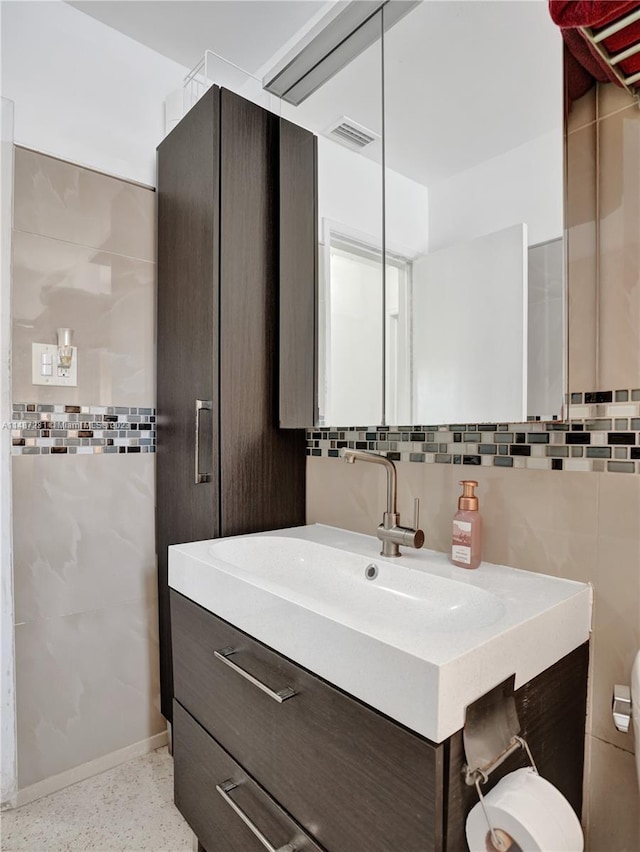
219,800
356,781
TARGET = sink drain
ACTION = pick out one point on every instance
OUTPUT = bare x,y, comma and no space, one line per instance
371,571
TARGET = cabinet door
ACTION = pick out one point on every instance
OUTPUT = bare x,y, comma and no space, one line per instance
187,360
298,276
262,468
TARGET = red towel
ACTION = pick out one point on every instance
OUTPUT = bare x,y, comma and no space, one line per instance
589,13
597,14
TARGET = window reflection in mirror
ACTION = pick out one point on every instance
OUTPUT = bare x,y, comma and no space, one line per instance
353,330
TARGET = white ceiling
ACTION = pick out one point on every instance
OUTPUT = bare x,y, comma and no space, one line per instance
470,80
245,32
466,80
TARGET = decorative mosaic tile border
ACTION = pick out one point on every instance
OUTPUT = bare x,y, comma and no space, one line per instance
601,435
39,429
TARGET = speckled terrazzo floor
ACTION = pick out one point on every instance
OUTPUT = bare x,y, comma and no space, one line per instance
127,809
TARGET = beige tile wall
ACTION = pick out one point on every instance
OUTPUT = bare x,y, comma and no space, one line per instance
84,547
614,809
619,202
584,526
603,218
581,254
83,258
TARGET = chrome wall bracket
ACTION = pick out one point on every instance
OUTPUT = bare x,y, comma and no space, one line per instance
621,708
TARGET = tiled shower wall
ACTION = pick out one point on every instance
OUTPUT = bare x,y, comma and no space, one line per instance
84,549
576,522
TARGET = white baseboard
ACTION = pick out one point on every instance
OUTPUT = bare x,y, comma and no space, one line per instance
88,770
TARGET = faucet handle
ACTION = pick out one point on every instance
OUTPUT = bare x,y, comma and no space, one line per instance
416,513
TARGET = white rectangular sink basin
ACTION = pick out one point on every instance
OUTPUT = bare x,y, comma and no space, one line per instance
415,637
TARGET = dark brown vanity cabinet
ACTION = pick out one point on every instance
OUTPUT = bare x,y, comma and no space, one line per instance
225,214
310,762
350,777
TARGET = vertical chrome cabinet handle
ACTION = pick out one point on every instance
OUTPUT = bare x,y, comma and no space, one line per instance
206,405
224,789
280,695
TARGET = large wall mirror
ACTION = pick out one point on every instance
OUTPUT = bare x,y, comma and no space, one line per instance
440,170
346,113
473,117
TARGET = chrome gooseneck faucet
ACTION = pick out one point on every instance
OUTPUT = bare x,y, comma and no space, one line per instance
390,533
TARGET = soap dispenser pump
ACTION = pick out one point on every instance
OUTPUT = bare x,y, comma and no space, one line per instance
466,540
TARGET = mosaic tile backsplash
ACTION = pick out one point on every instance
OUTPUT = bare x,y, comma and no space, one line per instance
39,429
601,435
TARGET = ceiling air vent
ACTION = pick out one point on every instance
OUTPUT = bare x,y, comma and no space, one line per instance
350,133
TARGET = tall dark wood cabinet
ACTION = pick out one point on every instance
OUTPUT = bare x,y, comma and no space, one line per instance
224,467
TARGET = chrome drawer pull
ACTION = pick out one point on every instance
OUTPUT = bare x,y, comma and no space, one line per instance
224,789
281,695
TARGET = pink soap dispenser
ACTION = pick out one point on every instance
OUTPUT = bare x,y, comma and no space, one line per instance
466,541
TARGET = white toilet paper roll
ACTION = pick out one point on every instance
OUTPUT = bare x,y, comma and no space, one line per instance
531,811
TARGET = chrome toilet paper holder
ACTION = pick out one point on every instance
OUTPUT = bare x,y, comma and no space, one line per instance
481,776
491,734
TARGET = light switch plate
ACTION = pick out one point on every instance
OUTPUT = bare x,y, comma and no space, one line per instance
38,377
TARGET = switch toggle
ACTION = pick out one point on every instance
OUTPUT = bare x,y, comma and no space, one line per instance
46,364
